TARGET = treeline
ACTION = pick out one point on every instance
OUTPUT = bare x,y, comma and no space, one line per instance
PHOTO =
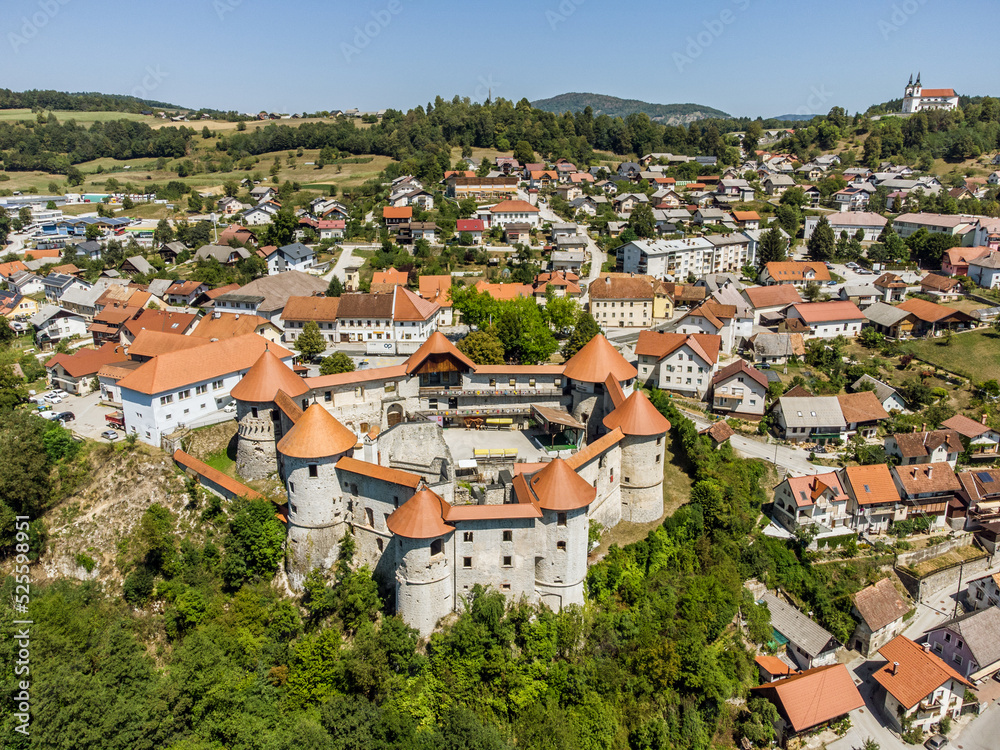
54,147
78,102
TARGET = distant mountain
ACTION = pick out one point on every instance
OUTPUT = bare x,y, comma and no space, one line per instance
668,114
787,118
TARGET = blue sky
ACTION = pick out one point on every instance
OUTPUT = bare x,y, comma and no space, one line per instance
746,57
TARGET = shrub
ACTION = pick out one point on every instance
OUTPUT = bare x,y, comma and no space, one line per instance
85,561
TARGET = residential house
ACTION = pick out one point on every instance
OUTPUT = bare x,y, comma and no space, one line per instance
983,440
293,257
685,295
91,250
887,395
137,265
170,250
25,283
517,233
709,215
817,502
814,419
937,446
984,592
16,306
926,490
777,184
385,281
299,311
955,261
932,317
739,389
259,215
393,323
514,212
879,610
53,324
794,272
437,289
747,219
678,362
891,287
807,643
726,321
917,685
736,189
862,295
417,230
811,700
109,321
76,373
676,259
622,301
980,497
568,260
216,326
262,193
56,284
183,293
862,411
829,319
873,498
472,227
625,203
772,668
985,270
953,224
162,321
481,188
189,386
944,288
730,253
394,216
776,348
970,643
226,255
890,321
267,295
770,302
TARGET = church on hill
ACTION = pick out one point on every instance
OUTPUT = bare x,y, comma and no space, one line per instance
918,99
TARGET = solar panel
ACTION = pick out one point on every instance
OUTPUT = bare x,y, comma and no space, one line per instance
984,476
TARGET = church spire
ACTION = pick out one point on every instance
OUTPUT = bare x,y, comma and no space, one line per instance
918,77
911,80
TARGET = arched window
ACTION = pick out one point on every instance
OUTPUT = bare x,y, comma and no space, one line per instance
437,547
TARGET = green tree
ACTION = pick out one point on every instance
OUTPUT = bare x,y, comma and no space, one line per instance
586,328
560,312
773,247
812,292
254,543
336,288
281,230
822,243
523,152
525,335
194,202
336,363
641,221
757,722
310,342
482,347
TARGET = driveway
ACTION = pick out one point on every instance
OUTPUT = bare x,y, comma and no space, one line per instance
89,422
345,260
867,722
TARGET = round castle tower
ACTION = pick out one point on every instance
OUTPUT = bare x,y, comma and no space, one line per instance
258,418
643,447
425,555
587,371
561,558
317,513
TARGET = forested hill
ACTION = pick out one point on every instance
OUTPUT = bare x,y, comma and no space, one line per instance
78,102
602,104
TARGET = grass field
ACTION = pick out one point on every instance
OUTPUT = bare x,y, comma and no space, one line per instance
975,355
82,118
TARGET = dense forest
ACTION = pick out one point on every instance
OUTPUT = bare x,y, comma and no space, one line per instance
614,106
90,101
198,650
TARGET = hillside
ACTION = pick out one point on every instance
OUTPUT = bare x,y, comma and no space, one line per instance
89,101
602,104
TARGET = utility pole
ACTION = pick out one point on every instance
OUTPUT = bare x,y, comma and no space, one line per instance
958,592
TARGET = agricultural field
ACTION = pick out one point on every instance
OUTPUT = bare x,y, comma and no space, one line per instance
976,354
82,118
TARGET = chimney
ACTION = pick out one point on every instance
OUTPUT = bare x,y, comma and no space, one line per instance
927,648
923,427
984,418
895,667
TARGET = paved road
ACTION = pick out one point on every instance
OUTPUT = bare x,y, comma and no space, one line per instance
793,460
345,259
596,256
983,733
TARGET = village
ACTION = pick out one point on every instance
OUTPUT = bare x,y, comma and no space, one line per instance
463,376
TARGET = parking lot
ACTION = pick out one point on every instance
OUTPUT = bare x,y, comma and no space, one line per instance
89,414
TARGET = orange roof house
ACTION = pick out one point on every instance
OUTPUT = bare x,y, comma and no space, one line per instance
660,345
389,278
912,674
871,485
812,698
396,215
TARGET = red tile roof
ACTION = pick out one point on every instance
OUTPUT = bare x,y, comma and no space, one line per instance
596,360
383,473
825,312
317,434
806,490
796,271
558,487
513,206
659,345
637,416
469,225
420,517
814,697
772,296
215,476
403,212
87,361
918,675
872,484
862,406
319,309
266,377
737,367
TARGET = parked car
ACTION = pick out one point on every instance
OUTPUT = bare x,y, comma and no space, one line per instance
109,435
831,283
65,416
53,398
852,264
60,392
230,407
936,742
764,366
49,415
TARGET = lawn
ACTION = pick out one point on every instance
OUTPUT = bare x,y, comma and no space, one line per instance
975,355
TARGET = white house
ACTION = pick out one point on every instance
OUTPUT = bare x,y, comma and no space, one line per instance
678,362
294,257
870,223
816,500
739,389
395,322
259,215
53,324
985,271
983,440
662,258
726,321
828,320
514,212
188,386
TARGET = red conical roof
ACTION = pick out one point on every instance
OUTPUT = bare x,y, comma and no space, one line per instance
420,517
637,416
268,376
317,434
595,361
558,487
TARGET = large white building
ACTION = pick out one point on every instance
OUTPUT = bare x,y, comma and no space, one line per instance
668,258
918,99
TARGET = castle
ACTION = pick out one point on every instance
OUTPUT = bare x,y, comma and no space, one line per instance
523,528
918,99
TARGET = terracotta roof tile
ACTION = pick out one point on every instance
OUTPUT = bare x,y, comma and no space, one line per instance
512,206
150,343
621,287
929,312
596,360
390,276
862,406
919,444
637,416
266,377
317,434
227,325
420,517
961,424
822,312
737,367
403,212
807,489
594,449
410,307
772,296
160,320
918,675
871,484
796,271
215,476
924,478
880,604
320,309
814,697
775,666
437,344
87,361
558,487
353,306
358,376
383,473
720,432
659,345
